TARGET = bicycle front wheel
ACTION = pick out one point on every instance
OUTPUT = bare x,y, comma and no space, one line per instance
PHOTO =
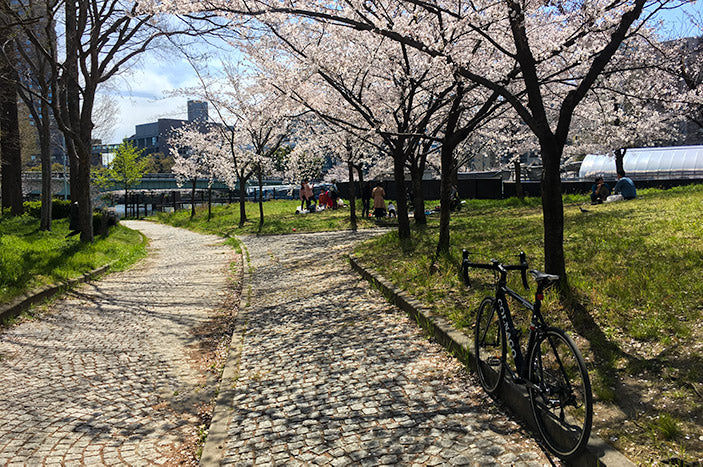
561,398
489,346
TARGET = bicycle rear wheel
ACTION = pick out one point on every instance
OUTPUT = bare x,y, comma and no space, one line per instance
561,398
489,346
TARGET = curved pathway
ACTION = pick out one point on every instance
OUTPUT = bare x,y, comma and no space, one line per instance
107,376
330,373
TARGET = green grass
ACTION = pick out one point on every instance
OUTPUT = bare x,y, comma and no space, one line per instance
635,264
30,258
635,270
279,217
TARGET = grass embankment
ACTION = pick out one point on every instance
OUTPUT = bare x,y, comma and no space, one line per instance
635,268
30,258
279,218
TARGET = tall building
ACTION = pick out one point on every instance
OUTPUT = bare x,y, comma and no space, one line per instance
197,111
153,137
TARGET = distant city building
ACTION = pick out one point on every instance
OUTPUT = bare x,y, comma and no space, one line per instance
153,137
197,111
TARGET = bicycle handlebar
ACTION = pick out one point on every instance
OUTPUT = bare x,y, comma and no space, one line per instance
495,266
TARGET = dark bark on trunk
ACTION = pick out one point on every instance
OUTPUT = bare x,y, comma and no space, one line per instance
71,104
399,175
418,196
553,210
192,199
619,158
242,202
352,197
447,161
518,180
209,203
10,150
260,177
45,151
85,202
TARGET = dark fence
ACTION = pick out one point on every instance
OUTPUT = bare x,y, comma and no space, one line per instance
495,188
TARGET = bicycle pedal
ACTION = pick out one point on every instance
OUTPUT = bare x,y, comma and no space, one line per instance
494,361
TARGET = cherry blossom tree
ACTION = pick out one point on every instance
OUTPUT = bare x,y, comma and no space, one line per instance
542,58
200,153
378,91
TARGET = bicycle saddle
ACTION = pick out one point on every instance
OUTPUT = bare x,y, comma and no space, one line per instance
544,277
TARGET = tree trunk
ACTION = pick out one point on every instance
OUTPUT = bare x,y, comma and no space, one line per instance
418,196
447,161
45,150
553,210
71,99
85,203
352,197
10,150
192,199
399,175
518,179
619,158
260,177
242,202
209,202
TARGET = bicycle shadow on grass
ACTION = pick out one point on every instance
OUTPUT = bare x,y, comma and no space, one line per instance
638,387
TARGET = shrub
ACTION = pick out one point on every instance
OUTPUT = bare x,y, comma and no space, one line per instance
103,220
60,209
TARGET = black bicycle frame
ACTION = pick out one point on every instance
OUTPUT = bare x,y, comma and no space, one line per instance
511,333
501,305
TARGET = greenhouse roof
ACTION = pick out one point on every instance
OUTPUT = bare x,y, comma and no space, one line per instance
669,163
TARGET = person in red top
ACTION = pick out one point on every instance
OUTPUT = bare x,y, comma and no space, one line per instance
323,199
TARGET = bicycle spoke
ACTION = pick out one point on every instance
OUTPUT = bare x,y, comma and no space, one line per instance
562,403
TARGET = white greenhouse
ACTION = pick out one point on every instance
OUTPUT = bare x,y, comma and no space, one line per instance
672,163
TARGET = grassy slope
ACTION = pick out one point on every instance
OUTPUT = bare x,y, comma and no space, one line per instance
30,258
635,268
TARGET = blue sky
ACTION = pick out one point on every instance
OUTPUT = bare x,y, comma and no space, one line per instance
146,93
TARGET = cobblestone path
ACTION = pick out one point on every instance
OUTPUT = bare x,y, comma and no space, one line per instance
106,376
331,374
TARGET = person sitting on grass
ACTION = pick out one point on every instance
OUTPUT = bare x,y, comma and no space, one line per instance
625,187
391,209
599,191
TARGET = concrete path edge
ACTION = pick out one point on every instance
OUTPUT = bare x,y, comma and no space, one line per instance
598,452
214,448
24,302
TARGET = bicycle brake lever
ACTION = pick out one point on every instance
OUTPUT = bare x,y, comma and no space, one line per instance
523,270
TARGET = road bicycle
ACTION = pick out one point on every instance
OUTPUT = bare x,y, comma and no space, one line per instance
554,373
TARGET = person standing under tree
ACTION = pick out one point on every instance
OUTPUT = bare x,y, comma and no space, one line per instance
379,205
305,194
